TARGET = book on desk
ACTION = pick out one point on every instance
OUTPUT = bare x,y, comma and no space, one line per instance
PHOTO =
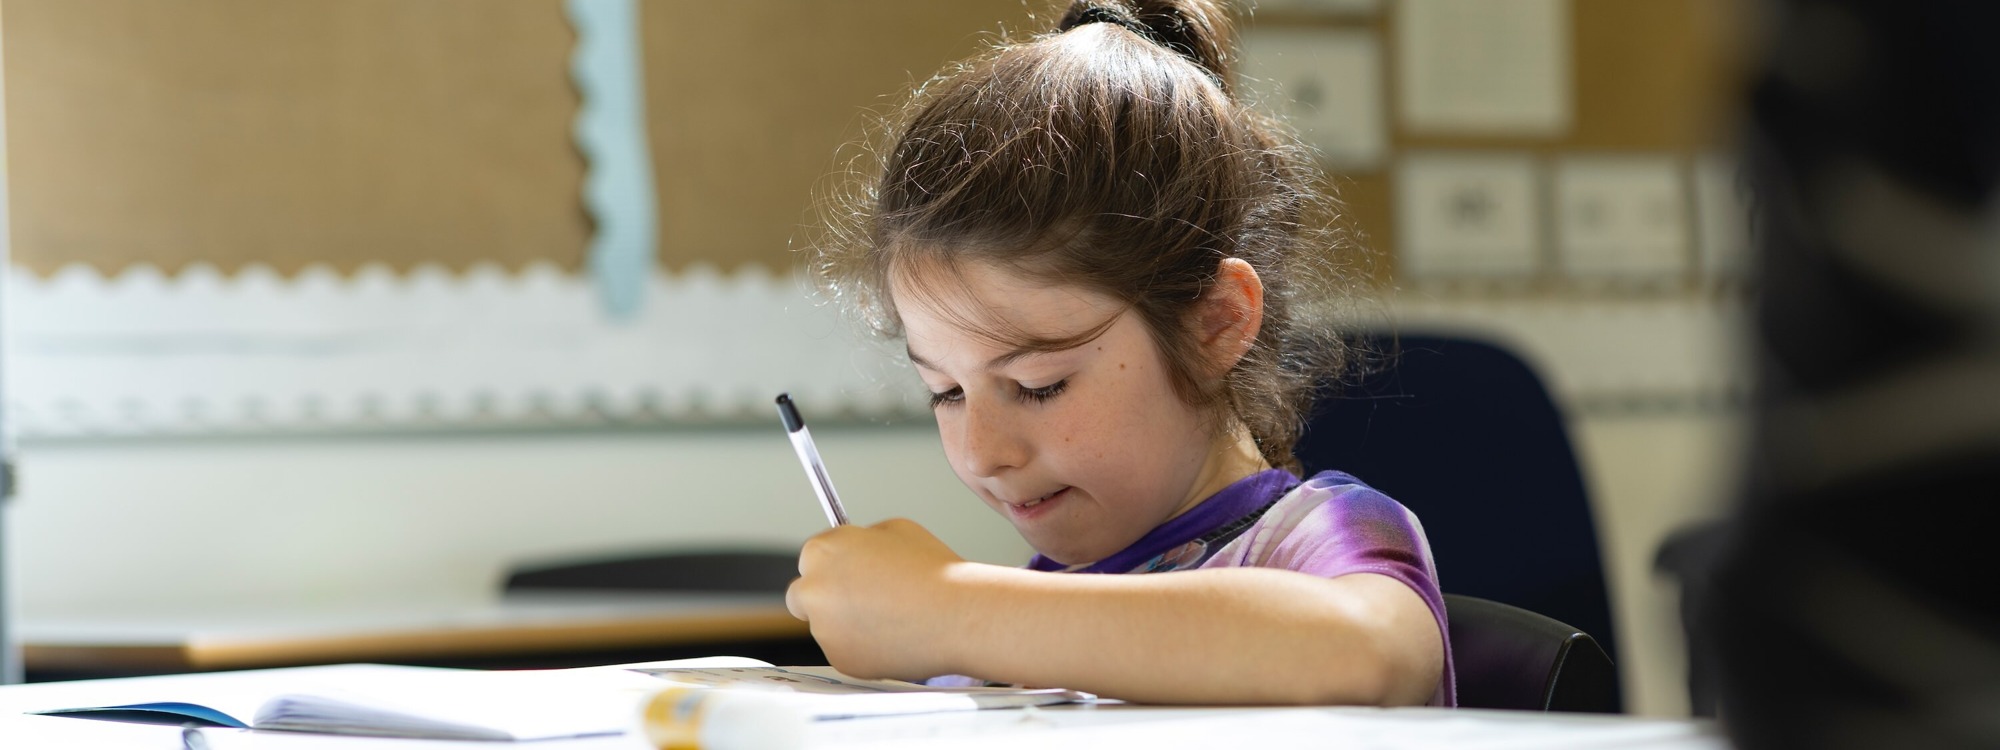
431,703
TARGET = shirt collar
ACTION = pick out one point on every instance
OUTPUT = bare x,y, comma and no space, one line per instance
1244,496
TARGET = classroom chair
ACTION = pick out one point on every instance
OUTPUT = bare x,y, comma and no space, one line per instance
692,571
1508,657
733,570
1464,433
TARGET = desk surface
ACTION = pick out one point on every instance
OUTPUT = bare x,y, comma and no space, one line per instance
518,624
1110,726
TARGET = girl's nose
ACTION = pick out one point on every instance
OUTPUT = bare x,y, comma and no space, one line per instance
992,441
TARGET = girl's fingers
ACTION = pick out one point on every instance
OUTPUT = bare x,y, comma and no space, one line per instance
794,602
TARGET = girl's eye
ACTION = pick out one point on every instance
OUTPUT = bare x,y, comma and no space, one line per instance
1044,393
952,396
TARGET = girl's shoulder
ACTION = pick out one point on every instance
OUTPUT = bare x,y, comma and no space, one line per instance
1326,524
1340,491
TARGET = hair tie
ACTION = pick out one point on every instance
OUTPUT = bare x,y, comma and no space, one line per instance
1090,14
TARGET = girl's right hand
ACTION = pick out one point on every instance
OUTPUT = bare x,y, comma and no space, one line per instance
879,599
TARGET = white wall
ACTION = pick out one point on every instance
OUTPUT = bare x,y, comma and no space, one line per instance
135,525
1648,475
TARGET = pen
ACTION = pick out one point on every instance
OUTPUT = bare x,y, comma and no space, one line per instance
802,443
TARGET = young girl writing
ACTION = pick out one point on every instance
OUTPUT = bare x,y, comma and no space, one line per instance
1102,266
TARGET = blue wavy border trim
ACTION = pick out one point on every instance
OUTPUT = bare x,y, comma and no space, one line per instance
610,130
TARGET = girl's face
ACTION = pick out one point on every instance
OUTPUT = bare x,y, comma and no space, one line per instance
1083,450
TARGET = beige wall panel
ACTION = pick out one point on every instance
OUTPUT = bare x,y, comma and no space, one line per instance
749,101
288,133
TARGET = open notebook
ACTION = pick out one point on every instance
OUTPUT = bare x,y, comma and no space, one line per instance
429,703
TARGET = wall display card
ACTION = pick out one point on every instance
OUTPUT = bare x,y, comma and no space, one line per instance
1468,214
1484,66
1621,216
1328,84
1722,216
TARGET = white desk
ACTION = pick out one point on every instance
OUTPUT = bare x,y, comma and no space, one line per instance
1104,727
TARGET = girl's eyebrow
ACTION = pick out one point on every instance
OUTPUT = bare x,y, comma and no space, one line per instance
992,364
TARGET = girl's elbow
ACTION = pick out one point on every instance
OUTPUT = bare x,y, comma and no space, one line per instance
1362,676
1384,670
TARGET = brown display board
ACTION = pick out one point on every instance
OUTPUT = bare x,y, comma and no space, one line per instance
344,132
247,131
749,100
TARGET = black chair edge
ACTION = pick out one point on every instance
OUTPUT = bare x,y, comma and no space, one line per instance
1511,658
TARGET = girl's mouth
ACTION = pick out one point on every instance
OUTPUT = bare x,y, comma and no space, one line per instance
1037,506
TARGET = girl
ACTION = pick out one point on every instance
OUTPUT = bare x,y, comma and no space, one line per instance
1101,266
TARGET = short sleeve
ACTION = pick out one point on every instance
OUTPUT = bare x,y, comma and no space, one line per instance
1328,527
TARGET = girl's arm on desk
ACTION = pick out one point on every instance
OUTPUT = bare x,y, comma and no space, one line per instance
893,601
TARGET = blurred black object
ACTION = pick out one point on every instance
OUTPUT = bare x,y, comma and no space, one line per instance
1510,658
1464,433
731,570
744,570
1853,603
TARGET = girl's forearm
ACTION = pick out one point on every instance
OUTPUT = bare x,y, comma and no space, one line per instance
1234,635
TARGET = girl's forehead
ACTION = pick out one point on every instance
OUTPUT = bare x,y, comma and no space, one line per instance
981,306
976,289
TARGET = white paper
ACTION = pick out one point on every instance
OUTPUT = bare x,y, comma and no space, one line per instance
1318,7
1328,84
1497,67
1468,215
1722,216
1621,217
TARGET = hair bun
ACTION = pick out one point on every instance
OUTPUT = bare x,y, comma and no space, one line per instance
1086,13
1199,30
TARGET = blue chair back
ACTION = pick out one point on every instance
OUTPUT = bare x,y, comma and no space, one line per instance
1464,434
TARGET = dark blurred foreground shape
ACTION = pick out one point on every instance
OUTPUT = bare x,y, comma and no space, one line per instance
1854,603
1465,434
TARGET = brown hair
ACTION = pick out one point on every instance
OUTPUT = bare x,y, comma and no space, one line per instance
1111,154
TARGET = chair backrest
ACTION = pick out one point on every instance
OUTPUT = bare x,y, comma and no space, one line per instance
714,571
1508,657
1464,433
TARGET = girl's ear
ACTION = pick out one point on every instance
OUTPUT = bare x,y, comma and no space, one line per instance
1231,314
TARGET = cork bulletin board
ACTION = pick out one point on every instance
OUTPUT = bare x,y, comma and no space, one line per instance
345,132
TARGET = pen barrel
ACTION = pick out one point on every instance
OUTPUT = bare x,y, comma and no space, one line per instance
829,501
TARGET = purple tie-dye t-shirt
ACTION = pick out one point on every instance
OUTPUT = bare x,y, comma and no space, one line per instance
1330,525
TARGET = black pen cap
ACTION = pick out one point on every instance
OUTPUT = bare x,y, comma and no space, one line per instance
790,413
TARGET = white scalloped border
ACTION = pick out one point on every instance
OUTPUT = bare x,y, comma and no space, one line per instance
141,353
